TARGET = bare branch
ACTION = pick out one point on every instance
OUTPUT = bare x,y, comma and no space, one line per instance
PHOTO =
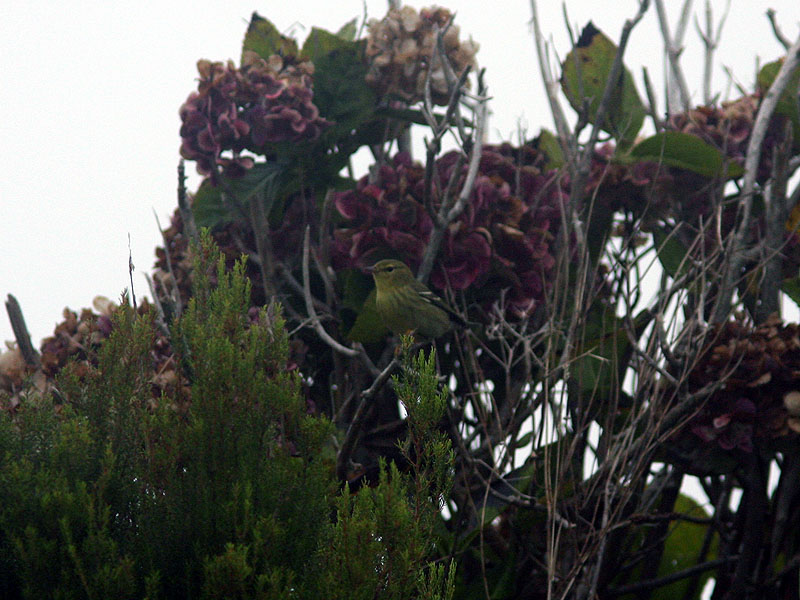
738,243
173,293
450,211
653,584
652,101
782,39
21,334
187,216
673,49
552,88
312,312
354,429
711,42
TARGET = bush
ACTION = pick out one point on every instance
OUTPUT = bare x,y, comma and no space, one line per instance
224,490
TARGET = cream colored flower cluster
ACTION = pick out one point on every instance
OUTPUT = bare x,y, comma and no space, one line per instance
400,49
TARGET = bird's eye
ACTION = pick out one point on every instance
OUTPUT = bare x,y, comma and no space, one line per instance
389,269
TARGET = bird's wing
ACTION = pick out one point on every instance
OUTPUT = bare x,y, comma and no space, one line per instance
435,300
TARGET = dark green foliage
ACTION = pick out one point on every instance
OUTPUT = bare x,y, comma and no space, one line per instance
383,540
222,491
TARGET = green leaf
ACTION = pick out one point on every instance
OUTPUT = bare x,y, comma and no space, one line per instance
585,72
788,102
601,349
343,97
349,30
682,549
600,219
264,39
605,354
685,151
791,287
209,209
340,90
671,253
548,143
321,42
216,205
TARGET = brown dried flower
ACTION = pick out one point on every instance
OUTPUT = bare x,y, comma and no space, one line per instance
400,48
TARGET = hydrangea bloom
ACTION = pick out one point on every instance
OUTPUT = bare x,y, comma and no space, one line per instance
503,240
263,102
399,51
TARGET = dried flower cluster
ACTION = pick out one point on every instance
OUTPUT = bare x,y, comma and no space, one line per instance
758,369
77,336
656,192
625,187
503,240
76,340
400,50
172,277
234,110
727,127
12,368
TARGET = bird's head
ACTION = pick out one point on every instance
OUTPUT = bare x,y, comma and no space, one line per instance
390,273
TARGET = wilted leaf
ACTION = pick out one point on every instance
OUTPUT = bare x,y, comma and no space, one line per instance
265,40
585,72
685,151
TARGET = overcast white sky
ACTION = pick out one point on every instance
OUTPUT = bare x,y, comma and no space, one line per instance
89,113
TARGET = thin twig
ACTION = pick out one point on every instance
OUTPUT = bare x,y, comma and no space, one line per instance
777,212
782,39
259,225
161,321
354,429
312,312
450,211
711,42
187,216
174,294
673,49
131,268
652,101
552,88
582,170
652,584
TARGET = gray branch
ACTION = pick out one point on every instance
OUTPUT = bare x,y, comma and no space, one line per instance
737,247
673,48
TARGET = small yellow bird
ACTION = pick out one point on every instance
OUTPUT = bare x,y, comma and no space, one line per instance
407,305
